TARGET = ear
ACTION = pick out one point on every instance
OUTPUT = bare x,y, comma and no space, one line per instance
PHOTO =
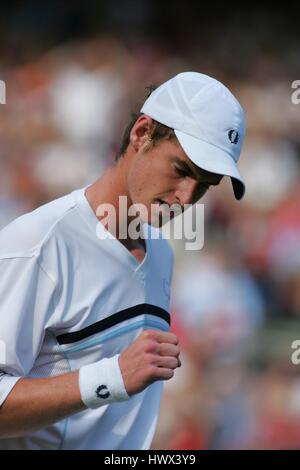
141,131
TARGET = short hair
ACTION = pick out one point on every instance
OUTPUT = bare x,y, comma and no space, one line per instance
159,131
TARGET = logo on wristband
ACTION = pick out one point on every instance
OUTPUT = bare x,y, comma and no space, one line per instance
102,392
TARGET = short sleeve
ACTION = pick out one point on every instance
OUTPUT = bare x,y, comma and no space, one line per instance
27,301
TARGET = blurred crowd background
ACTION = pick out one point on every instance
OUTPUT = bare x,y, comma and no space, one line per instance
74,72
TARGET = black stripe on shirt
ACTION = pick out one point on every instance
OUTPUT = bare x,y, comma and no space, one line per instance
142,309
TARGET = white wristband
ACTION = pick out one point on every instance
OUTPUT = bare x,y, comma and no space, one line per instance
101,383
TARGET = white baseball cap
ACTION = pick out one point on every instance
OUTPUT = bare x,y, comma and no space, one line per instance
207,120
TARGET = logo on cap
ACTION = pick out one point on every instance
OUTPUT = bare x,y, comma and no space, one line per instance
233,136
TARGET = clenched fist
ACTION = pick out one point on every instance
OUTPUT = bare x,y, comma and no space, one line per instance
152,356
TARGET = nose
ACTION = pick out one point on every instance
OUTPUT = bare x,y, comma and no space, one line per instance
184,193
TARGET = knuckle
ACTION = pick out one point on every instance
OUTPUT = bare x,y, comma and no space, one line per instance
175,339
174,363
149,334
176,351
171,363
170,350
150,346
151,371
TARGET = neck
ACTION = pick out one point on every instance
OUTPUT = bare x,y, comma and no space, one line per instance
106,190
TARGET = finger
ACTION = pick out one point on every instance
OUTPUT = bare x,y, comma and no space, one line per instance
164,373
168,349
166,362
164,336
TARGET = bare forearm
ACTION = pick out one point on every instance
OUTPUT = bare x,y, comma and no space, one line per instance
37,403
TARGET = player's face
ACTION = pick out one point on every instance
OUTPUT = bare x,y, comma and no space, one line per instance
165,174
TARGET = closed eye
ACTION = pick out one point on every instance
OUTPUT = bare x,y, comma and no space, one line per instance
183,173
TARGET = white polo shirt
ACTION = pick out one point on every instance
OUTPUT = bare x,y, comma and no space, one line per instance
69,298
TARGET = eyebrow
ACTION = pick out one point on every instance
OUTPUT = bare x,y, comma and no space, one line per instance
192,171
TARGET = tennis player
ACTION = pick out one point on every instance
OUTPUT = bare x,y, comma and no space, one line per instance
84,313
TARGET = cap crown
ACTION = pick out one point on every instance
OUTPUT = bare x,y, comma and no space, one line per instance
202,107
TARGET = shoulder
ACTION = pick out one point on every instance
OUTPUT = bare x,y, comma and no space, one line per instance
26,235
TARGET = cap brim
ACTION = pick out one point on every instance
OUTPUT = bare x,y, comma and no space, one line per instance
213,159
